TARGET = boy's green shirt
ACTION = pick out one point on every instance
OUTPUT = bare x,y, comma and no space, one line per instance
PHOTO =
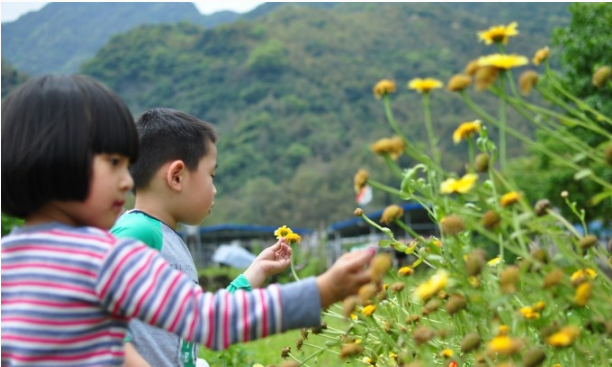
156,346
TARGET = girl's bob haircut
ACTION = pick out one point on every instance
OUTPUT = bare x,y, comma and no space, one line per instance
52,126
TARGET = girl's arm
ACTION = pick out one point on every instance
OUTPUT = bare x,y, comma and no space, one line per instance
135,281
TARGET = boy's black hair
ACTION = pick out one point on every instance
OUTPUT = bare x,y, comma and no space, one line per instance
52,126
166,135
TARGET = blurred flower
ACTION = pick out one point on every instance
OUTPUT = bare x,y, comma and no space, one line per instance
293,238
460,186
490,220
405,270
485,76
424,85
494,262
564,337
366,292
465,130
393,356
360,180
481,162
432,286
527,80
529,313
587,241
393,146
539,306
459,82
508,278
583,293
553,278
368,360
601,76
383,88
446,353
368,310
282,232
422,335
470,342
502,330
540,56
391,213
498,34
509,198
348,305
351,349
504,345
503,61
541,207
583,275
452,225
534,357
456,302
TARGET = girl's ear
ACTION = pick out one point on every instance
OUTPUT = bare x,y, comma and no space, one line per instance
174,175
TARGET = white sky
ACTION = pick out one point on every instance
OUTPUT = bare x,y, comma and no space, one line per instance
12,10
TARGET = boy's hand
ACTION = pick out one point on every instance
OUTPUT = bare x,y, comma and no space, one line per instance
345,277
270,261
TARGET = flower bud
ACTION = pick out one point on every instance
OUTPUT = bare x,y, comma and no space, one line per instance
553,278
471,67
470,342
452,225
455,303
348,306
484,77
587,241
397,287
541,207
459,82
349,350
285,352
527,80
601,76
381,264
422,335
508,279
431,306
540,55
481,163
391,213
475,261
298,343
490,220
358,212
534,357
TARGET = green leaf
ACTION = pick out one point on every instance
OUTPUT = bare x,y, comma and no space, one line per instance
582,174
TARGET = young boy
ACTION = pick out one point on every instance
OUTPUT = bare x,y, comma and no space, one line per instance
173,182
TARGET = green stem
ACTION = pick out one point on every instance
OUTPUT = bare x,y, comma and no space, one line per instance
471,155
502,125
430,133
384,187
293,269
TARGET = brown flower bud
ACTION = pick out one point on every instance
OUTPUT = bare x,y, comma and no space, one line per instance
470,342
553,278
367,292
471,67
298,343
541,207
285,352
484,77
397,287
540,255
481,162
490,220
382,263
422,335
608,154
508,279
289,364
455,303
413,319
452,225
391,213
358,212
534,357
349,350
601,76
348,306
304,333
459,82
587,241
527,80
540,55
431,306
475,261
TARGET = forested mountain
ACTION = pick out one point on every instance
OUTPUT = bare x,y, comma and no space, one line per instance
11,77
289,88
60,36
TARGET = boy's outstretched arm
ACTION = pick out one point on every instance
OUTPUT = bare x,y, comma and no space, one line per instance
270,261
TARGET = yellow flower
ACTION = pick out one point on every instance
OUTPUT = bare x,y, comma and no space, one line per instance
583,293
498,33
293,238
368,310
383,88
494,262
503,61
539,306
583,273
282,232
504,345
393,146
436,283
527,80
474,281
446,353
391,213
353,316
368,360
540,55
405,270
460,186
502,330
360,180
393,356
424,85
465,130
459,82
529,313
509,198
564,337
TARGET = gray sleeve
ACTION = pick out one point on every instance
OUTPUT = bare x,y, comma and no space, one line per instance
301,304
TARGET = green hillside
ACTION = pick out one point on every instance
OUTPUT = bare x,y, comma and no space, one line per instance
60,36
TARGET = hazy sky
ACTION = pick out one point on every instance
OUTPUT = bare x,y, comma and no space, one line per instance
12,10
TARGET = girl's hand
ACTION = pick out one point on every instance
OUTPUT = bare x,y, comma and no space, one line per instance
270,261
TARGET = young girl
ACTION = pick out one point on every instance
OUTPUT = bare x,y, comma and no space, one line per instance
69,288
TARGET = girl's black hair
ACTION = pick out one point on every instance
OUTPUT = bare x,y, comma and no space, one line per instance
52,126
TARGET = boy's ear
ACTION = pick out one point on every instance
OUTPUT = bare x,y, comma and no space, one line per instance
175,175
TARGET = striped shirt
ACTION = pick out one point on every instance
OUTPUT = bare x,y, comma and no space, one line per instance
69,292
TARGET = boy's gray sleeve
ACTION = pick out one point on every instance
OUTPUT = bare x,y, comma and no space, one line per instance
301,304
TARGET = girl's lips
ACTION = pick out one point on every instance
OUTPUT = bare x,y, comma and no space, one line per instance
119,203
